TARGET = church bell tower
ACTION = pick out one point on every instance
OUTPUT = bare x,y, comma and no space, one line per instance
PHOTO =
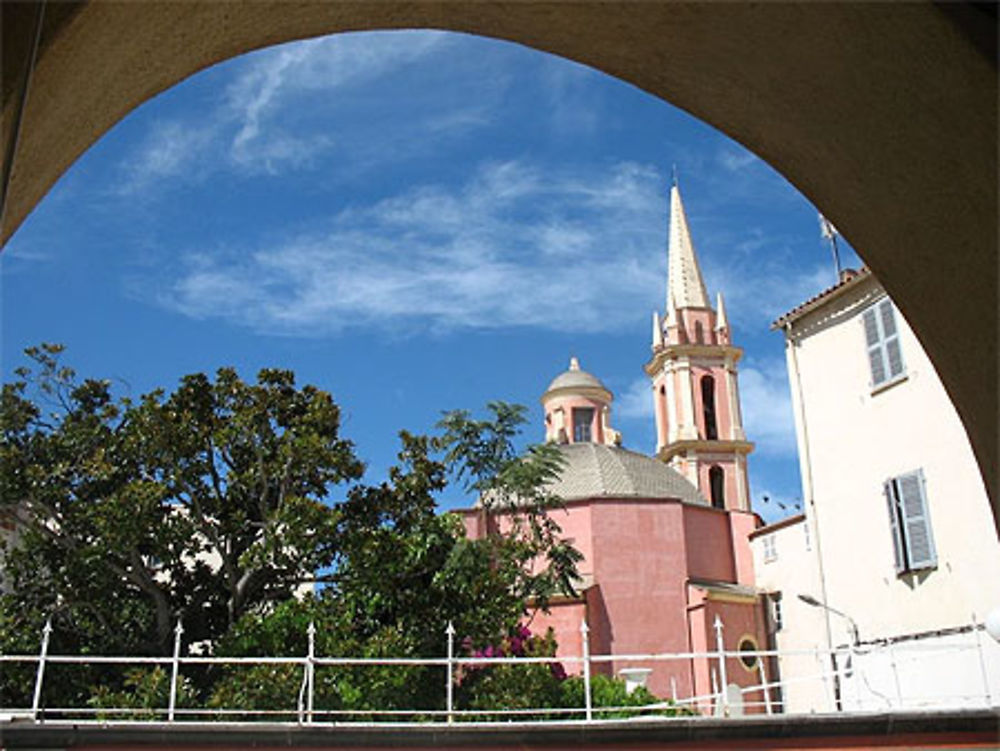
699,426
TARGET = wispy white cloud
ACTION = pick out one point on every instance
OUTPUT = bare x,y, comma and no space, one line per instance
261,99
262,125
573,107
636,403
759,285
767,409
733,159
513,246
171,148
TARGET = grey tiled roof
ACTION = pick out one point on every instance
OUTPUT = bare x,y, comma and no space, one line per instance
596,471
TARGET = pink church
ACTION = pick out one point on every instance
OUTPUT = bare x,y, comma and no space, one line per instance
664,538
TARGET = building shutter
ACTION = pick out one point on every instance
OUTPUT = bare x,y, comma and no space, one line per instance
916,521
872,338
897,540
890,336
885,357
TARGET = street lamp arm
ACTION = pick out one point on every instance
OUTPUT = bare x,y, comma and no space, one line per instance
810,600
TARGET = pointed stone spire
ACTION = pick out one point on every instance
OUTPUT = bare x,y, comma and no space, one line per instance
721,321
657,331
685,287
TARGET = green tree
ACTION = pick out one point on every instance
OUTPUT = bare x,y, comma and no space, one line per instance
211,505
199,506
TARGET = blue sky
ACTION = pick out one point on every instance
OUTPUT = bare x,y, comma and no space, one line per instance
416,222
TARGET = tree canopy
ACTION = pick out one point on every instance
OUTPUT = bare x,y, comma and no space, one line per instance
214,504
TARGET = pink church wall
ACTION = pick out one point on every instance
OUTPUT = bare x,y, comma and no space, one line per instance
698,635
739,619
742,523
639,564
638,558
564,619
709,548
691,317
575,524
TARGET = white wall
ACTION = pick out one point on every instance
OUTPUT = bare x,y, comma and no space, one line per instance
784,562
851,439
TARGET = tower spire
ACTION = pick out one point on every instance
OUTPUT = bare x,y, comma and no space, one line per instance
721,321
699,424
685,286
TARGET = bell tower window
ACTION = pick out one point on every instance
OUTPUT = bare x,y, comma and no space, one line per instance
708,407
717,486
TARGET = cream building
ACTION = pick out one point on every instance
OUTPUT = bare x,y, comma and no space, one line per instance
897,550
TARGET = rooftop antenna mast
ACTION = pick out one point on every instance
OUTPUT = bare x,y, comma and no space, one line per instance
829,232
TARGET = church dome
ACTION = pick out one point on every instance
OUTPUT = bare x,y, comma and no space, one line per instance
593,470
573,379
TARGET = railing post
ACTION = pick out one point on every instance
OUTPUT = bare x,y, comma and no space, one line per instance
825,677
587,700
763,684
310,672
449,685
987,691
40,675
895,674
723,678
174,670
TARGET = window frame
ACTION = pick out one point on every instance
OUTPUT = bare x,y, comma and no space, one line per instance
770,546
910,523
583,426
881,344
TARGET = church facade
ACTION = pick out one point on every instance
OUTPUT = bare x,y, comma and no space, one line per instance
664,538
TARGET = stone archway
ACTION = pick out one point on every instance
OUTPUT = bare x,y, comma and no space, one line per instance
884,115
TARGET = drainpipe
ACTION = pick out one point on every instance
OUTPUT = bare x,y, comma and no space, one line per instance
807,462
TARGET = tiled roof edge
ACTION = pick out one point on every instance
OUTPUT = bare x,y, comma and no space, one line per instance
850,278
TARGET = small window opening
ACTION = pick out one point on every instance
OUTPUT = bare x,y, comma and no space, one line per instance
748,645
717,486
708,407
776,614
583,419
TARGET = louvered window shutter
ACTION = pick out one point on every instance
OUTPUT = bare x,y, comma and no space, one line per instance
885,356
916,522
890,337
897,540
874,342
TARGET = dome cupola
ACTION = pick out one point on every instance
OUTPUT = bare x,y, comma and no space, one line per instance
578,408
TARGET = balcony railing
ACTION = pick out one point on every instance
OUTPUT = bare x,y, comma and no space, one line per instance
957,672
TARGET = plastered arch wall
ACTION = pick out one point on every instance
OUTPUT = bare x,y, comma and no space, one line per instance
884,115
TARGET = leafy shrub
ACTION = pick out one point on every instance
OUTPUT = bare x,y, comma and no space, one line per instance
147,691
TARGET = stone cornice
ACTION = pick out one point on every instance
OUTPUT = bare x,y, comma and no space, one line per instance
704,446
691,351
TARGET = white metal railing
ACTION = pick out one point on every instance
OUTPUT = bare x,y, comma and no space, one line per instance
846,674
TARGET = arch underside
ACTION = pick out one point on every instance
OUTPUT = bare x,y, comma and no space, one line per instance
884,115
